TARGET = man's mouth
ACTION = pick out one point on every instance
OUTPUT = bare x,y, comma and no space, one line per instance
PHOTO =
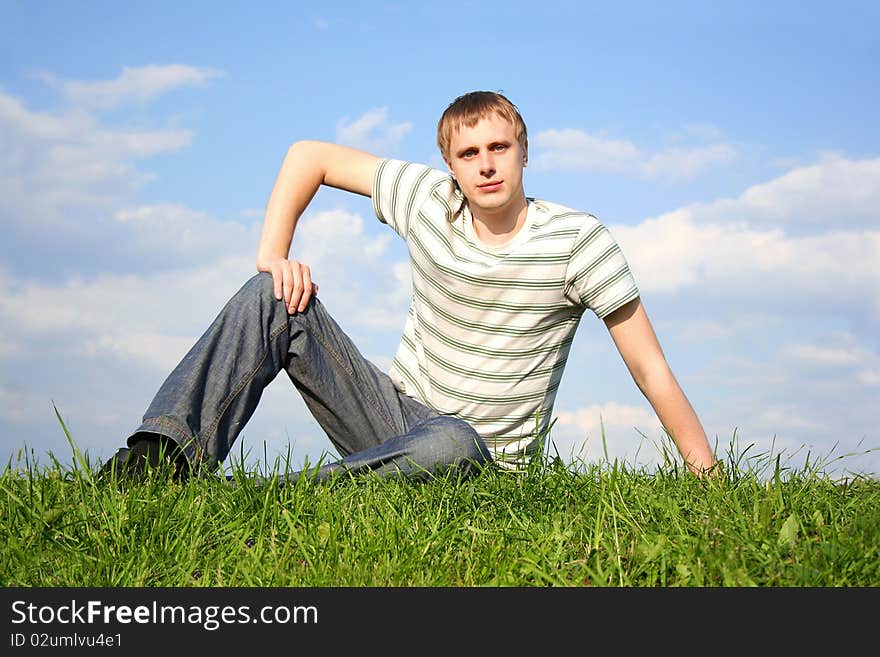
490,186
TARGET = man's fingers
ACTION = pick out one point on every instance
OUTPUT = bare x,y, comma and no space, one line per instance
278,281
307,288
292,283
296,288
288,283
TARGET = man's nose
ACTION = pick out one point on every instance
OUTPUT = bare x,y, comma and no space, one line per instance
487,164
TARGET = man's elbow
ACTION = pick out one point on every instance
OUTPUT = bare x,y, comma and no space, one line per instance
309,158
310,148
301,147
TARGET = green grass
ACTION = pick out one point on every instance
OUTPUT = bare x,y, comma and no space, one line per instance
758,523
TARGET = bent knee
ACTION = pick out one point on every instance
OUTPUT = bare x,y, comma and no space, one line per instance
462,440
262,283
260,287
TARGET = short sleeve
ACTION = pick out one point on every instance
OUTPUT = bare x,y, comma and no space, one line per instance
400,189
598,276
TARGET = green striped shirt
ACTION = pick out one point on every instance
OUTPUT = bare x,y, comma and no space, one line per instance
490,327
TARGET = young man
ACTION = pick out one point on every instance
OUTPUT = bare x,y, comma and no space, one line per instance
500,282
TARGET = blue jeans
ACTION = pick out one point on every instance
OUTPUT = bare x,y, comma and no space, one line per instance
208,398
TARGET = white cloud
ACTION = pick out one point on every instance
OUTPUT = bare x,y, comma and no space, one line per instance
787,419
338,234
676,164
186,232
582,151
824,355
624,431
727,247
64,168
869,377
110,313
145,350
18,120
135,85
708,330
372,132
790,428
839,354
56,166
591,419
833,193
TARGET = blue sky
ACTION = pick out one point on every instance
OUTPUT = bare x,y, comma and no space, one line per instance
731,148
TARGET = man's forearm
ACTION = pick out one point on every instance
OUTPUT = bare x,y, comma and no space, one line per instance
307,166
679,418
298,180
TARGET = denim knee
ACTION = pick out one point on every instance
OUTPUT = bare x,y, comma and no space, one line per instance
460,441
260,284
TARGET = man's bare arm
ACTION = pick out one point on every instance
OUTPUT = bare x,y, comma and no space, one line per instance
307,166
637,343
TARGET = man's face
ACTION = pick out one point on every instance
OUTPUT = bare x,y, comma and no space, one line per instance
487,161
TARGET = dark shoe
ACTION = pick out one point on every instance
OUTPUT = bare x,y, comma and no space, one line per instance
117,463
145,454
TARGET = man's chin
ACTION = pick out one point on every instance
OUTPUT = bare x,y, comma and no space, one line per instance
488,202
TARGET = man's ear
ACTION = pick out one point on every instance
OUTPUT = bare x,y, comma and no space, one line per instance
449,167
525,155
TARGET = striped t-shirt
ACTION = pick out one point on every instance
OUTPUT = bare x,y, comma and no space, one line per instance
490,327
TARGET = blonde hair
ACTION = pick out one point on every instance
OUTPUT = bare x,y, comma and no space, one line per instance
469,108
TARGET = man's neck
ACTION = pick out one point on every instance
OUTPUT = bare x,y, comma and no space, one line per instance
497,226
